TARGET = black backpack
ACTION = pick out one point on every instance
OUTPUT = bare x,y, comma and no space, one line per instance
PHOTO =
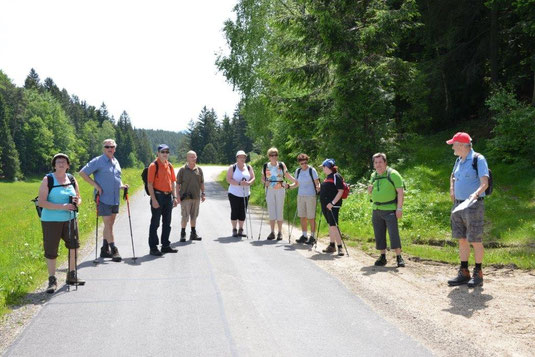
311,177
235,165
145,173
51,185
490,187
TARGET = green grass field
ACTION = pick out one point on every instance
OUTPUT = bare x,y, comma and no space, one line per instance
22,264
425,226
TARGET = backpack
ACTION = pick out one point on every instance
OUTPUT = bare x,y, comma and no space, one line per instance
235,165
51,185
490,187
345,194
388,172
281,166
311,177
145,173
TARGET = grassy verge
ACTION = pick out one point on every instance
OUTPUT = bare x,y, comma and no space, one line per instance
426,164
22,265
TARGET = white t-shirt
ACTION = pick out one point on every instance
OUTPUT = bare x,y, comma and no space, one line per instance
239,175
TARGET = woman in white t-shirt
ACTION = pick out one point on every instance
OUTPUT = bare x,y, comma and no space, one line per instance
240,177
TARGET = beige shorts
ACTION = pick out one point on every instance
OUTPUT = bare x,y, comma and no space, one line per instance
275,203
189,209
306,207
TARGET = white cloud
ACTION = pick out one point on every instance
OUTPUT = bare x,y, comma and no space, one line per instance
153,59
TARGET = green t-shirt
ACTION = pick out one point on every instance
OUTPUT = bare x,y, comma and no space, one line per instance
383,190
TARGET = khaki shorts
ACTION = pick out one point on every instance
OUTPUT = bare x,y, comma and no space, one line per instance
306,207
469,222
189,209
53,232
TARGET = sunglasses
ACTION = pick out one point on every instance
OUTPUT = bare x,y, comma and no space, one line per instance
109,147
165,151
303,162
273,154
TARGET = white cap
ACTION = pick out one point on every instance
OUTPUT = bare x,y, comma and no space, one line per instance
241,152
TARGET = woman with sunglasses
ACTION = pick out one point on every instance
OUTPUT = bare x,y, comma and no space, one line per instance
273,175
309,186
331,191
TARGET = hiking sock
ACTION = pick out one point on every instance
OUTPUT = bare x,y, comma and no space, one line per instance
193,230
105,244
112,245
478,266
383,256
183,231
464,265
340,246
305,234
331,244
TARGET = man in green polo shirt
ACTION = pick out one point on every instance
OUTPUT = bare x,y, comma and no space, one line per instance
190,185
386,189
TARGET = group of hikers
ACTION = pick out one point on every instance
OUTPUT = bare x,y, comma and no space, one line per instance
59,197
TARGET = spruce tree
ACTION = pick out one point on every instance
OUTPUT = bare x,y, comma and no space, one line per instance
9,157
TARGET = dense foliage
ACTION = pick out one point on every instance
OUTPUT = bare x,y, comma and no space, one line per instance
346,78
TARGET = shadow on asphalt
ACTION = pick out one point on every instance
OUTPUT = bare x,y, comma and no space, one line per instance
225,240
372,269
180,244
89,263
465,301
325,256
259,243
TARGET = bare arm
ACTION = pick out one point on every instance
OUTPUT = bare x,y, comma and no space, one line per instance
483,184
401,196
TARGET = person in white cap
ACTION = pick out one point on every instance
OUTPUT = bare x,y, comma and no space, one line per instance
468,180
240,177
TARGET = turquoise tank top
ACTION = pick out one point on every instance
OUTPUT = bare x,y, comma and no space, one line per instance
58,195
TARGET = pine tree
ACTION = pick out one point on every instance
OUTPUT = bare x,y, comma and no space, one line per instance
9,157
126,144
32,81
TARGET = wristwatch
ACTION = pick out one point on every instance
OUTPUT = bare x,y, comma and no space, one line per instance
399,209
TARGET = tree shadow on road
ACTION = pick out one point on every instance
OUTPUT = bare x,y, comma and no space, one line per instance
465,301
373,269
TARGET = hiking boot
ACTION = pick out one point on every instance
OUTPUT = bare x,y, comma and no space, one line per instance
168,249
105,252
401,262
194,236
271,236
463,276
477,279
301,239
240,233
279,236
329,249
72,279
234,232
182,237
381,262
311,241
156,252
340,251
52,285
115,256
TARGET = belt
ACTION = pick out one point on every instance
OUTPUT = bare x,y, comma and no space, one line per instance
479,199
158,192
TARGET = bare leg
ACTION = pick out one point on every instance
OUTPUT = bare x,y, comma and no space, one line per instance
464,250
478,252
312,224
304,224
108,227
51,266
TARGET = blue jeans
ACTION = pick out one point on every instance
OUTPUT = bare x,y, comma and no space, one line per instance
163,212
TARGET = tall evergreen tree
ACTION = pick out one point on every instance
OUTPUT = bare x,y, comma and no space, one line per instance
32,80
9,157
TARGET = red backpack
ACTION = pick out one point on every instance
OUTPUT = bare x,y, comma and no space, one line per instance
345,194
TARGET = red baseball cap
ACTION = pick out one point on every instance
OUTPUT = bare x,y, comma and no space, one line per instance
460,137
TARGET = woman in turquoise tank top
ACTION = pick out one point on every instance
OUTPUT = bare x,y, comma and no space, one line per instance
58,218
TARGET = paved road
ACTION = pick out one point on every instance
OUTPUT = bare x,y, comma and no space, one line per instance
217,297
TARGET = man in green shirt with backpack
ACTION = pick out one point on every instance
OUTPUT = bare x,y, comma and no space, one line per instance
386,190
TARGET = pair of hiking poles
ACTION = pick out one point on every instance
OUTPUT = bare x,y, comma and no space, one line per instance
73,232
97,201
248,220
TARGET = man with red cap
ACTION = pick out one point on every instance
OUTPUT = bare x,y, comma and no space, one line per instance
468,181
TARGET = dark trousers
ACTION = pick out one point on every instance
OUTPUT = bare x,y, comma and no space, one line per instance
163,212
238,206
383,220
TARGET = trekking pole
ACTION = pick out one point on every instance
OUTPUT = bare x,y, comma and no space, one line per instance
263,209
341,238
317,234
69,249
293,223
76,234
286,199
246,213
125,196
97,201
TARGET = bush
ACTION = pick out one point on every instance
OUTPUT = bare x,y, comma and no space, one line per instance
515,128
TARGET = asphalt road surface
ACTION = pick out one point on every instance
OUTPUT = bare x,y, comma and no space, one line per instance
221,296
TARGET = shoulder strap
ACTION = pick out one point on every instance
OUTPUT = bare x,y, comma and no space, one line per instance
474,162
281,166
234,168
71,178
298,172
264,169
388,172
157,166
50,177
